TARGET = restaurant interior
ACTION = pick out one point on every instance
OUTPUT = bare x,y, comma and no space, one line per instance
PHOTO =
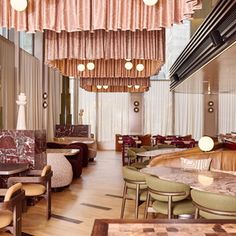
117,117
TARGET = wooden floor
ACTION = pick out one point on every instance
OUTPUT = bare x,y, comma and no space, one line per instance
96,194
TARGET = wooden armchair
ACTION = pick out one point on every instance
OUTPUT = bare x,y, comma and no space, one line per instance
36,183
11,209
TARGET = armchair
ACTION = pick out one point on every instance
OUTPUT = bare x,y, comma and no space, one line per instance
11,209
36,183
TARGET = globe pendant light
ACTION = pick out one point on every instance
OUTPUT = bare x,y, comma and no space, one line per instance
19,5
150,2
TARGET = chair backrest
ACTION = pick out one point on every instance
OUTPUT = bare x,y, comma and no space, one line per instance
132,174
45,170
12,191
214,206
161,189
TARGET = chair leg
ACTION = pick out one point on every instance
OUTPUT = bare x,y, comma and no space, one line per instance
137,200
17,220
123,201
48,198
169,207
147,205
196,213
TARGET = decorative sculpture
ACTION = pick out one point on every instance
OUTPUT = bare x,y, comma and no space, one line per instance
21,112
80,120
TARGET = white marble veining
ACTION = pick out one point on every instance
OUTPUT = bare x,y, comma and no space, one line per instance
209,181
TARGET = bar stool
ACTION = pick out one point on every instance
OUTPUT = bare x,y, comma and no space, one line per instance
134,188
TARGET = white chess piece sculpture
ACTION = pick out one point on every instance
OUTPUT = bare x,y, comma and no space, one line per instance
80,121
21,112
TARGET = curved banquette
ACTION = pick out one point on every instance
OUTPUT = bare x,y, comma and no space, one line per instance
222,158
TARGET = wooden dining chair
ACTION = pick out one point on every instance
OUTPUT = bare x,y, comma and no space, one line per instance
11,209
134,188
213,205
168,198
36,183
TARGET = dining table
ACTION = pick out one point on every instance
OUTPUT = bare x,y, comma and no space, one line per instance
7,169
209,181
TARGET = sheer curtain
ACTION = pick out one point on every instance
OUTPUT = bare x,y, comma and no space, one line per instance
32,85
54,88
189,114
158,109
227,113
113,117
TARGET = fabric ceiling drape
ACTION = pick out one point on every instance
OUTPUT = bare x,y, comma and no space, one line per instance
31,84
158,109
7,83
84,15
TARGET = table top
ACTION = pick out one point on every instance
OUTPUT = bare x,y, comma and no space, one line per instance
65,151
154,153
13,168
200,227
209,181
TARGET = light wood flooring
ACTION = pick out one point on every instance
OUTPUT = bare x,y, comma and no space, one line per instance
96,194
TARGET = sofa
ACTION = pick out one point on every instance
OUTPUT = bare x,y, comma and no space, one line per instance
223,159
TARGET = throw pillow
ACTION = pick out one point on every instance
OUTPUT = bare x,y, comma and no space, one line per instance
201,164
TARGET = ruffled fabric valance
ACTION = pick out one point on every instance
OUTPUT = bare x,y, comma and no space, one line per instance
84,15
132,85
105,45
106,68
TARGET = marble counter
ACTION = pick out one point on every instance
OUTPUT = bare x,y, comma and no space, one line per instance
209,181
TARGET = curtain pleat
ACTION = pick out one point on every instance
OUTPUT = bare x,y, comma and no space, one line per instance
158,109
7,83
84,15
105,45
31,84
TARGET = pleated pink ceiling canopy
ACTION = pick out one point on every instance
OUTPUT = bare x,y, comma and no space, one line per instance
100,38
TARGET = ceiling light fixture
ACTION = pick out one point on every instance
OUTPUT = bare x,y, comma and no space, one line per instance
19,5
99,86
90,66
105,86
128,65
136,86
150,2
81,67
128,59
140,67
129,86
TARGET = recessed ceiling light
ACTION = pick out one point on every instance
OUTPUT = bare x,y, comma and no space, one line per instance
150,2
90,66
140,67
19,5
81,67
128,65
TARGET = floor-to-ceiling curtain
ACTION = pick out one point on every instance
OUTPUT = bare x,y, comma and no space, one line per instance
158,109
54,88
113,117
31,84
189,114
7,82
227,113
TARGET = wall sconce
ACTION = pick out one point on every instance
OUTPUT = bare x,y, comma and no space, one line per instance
99,86
45,95
81,67
150,2
45,105
136,86
210,109
136,103
128,65
140,67
19,5
210,103
136,109
90,66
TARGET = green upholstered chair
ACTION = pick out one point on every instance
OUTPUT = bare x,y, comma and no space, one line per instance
134,188
150,148
132,157
140,165
213,206
168,198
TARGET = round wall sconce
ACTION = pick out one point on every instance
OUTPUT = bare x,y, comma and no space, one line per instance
137,86
129,86
206,144
105,86
136,103
81,67
99,86
128,65
150,2
45,105
19,5
90,66
210,103
45,95
136,109
210,110
140,67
